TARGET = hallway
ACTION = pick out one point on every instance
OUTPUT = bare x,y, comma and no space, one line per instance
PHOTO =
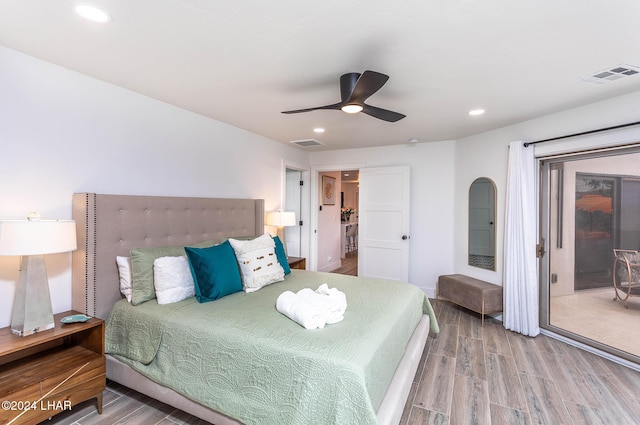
349,264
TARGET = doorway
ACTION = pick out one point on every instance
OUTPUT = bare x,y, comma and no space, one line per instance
293,202
591,207
325,217
295,198
337,221
383,220
349,210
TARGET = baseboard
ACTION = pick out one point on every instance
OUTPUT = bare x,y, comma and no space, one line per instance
331,266
430,292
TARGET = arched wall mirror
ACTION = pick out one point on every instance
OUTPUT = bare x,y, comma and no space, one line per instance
482,224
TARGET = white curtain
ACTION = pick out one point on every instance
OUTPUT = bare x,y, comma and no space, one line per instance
520,275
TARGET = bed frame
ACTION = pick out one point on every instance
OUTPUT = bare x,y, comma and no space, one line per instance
111,225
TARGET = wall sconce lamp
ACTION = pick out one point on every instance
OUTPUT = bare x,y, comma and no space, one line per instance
32,239
281,219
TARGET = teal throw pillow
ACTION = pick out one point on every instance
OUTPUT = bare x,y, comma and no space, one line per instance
280,254
215,271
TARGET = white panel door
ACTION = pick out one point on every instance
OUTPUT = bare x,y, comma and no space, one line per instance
383,229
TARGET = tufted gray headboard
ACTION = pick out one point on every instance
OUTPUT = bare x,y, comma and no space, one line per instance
110,225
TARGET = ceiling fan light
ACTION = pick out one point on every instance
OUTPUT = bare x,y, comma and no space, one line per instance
352,109
93,13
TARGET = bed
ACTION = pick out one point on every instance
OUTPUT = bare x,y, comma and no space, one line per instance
113,225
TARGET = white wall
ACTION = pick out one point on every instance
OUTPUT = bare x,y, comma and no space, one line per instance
473,159
432,196
486,155
62,132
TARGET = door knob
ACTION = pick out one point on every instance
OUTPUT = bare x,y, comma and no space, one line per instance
405,237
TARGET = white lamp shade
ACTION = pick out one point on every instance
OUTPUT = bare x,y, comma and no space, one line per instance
281,218
24,237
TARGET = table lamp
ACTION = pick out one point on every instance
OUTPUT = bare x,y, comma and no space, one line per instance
280,219
32,239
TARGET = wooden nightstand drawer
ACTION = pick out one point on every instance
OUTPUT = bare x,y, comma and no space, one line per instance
17,402
81,391
43,374
63,399
78,365
42,408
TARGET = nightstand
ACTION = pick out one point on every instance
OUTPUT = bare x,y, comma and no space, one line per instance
297,263
48,372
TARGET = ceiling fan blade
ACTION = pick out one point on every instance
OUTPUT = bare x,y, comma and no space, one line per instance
297,111
347,84
355,88
382,114
368,83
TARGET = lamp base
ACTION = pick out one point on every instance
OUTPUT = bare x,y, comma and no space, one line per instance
32,310
280,234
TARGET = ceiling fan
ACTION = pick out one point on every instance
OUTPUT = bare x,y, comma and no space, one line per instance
355,88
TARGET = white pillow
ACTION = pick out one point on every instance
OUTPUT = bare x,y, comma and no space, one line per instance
172,279
258,262
124,270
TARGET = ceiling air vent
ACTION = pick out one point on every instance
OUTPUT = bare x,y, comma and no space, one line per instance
612,74
307,143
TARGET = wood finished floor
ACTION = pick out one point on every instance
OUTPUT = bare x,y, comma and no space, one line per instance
468,375
475,375
349,264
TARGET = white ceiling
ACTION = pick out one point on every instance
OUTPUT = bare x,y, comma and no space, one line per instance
243,62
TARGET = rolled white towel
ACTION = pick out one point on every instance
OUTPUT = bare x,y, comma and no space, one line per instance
338,298
334,304
308,314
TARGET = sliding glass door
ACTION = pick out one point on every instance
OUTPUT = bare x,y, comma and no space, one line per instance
590,214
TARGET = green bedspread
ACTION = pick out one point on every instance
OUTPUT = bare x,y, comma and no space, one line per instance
240,356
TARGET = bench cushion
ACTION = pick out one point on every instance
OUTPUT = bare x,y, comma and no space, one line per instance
469,292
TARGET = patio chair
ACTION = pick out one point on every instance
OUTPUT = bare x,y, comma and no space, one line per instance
626,274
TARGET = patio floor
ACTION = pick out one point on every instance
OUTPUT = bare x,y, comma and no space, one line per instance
594,315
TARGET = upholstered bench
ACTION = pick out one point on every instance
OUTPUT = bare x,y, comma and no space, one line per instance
474,294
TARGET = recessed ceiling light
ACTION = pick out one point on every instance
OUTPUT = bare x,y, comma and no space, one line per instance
475,112
93,13
318,130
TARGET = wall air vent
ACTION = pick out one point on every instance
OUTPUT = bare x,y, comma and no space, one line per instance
611,74
307,143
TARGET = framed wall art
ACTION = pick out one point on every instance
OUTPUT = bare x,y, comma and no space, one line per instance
328,190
